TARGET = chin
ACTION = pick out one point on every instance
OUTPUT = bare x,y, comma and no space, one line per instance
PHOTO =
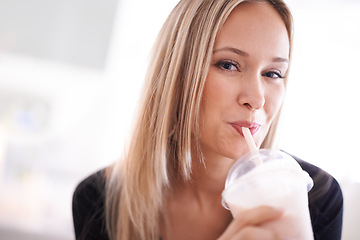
239,154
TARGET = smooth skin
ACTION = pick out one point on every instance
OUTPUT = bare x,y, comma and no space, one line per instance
244,83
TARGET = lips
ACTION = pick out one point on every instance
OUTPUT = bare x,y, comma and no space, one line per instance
252,126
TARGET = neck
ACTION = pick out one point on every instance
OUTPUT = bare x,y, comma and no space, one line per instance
210,174
208,178
194,207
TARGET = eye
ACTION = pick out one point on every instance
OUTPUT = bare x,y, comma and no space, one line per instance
272,75
228,65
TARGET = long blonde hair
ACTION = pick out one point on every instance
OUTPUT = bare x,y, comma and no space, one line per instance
160,147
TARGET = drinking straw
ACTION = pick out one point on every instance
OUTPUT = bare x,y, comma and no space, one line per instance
251,144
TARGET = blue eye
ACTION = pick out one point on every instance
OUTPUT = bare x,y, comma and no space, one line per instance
227,65
273,75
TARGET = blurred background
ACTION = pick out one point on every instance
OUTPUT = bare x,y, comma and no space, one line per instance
70,76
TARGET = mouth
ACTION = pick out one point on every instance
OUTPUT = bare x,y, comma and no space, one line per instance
252,126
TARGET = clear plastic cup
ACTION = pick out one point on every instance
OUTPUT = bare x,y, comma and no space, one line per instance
280,183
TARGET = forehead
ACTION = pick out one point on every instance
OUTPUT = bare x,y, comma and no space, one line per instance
254,27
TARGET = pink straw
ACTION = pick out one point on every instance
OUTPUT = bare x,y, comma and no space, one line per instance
251,145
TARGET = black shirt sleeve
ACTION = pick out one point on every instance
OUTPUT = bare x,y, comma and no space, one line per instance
325,203
88,208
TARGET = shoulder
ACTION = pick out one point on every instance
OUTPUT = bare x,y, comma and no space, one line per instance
88,207
325,185
92,187
325,202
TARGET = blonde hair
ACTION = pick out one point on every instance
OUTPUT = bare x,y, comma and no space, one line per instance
160,147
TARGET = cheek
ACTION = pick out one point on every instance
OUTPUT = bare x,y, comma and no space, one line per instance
272,106
216,87
215,104
274,101
216,96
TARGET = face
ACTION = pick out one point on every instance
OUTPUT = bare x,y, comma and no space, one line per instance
245,82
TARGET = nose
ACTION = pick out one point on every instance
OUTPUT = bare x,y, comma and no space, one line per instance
252,93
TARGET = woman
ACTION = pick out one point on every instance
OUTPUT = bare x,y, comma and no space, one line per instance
217,65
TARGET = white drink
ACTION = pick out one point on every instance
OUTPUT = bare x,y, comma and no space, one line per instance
280,183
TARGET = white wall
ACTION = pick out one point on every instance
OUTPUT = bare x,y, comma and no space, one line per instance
321,110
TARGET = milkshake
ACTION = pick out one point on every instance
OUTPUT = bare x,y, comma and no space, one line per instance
278,182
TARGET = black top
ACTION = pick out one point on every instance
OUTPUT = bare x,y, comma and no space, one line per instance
325,204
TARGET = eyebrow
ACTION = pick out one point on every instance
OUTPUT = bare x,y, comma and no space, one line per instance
279,59
234,50
245,54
